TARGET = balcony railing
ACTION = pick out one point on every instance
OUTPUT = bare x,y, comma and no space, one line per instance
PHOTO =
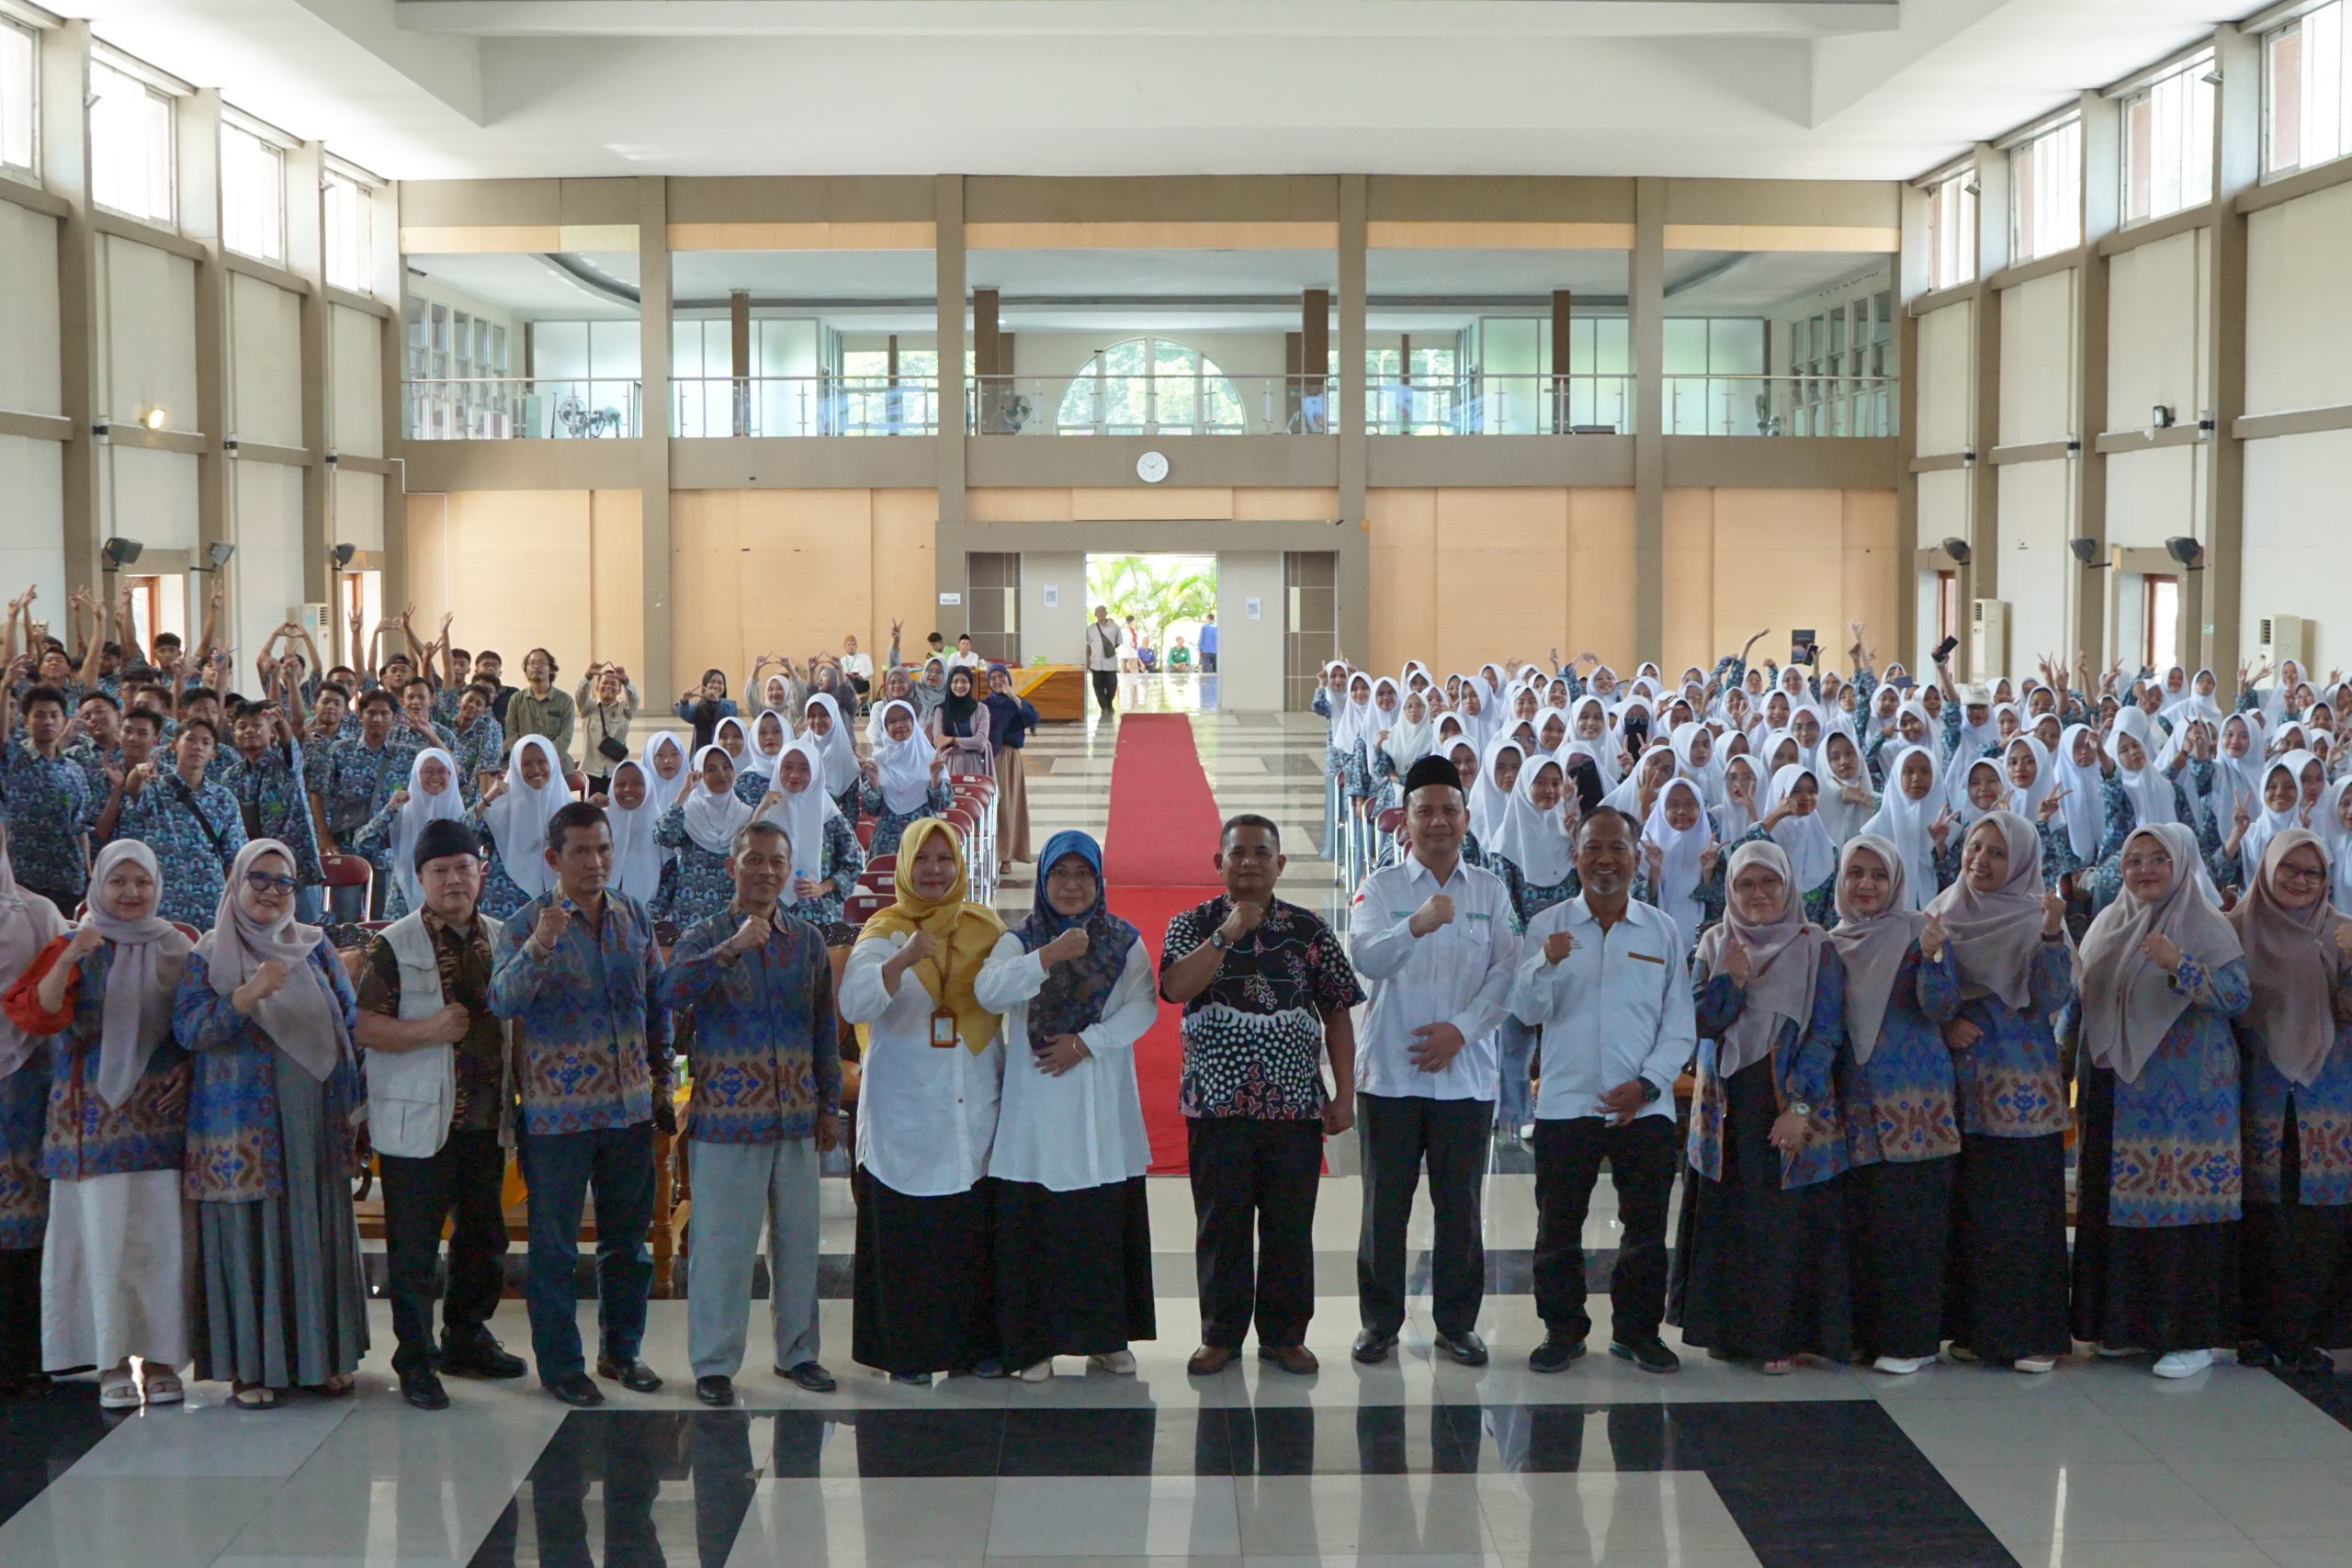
1209,403
1499,404
1780,405
501,407
804,405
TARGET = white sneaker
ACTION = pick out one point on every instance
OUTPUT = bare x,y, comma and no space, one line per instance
1119,1363
2035,1363
1042,1372
1527,1131
2183,1363
1900,1366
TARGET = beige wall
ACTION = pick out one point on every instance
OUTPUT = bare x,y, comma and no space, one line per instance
1947,360
2037,361
2297,552
1249,653
1462,576
2156,312
2037,570
1742,561
2299,312
509,566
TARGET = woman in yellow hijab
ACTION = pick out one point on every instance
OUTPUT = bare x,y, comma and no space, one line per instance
932,1067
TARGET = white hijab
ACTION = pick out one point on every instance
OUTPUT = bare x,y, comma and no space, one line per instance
1488,803
712,816
2267,822
2083,809
1733,819
1905,823
759,761
1604,745
519,819
2150,792
676,789
415,812
803,813
835,752
905,765
1842,818
1675,889
637,857
1531,838
1813,859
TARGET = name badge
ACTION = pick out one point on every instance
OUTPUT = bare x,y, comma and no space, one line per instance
1646,958
942,1031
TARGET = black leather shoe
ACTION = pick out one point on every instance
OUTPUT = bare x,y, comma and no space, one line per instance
1372,1346
634,1376
1465,1347
2311,1362
421,1386
577,1390
481,1357
1650,1354
810,1376
1555,1354
715,1391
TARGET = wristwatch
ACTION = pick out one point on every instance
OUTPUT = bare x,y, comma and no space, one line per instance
1801,1108
1650,1092
1216,941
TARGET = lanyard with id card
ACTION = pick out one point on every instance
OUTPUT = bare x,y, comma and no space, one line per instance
944,1033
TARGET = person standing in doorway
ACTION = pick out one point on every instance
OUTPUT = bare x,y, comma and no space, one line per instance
1207,644
1433,936
1102,649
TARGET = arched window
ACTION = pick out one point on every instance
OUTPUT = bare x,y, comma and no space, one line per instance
1148,385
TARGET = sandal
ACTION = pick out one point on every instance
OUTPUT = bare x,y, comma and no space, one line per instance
254,1396
118,1391
1778,1367
164,1388
338,1385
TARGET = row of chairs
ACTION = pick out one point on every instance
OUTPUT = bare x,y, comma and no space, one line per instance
973,814
1362,836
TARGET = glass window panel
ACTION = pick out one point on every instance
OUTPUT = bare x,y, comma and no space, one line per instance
130,145
348,213
1735,347
1686,346
20,93
253,194
1612,354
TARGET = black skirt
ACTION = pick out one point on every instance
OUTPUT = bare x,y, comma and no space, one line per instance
1898,1218
2005,1298
2161,1288
1073,1271
1759,1271
922,1300
2296,1278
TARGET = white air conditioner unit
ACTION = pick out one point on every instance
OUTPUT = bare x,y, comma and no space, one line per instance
1988,638
2280,638
314,619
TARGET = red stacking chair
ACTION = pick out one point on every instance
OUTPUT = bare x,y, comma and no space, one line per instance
350,871
864,832
859,907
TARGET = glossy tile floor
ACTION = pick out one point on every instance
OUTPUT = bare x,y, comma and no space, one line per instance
1413,1464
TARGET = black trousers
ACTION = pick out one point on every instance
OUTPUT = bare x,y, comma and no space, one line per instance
19,1311
1399,1134
1250,1172
459,1185
1106,688
1642,1155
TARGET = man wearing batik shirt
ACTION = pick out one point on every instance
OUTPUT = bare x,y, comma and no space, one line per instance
359,777
99,744
191,823
47,797
1266,989
578,972
265,772
480,748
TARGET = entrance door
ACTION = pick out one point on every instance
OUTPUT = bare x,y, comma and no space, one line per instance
1310,624
992,604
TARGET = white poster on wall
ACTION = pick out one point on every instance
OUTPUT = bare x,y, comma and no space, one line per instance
951,598
1051,593
1250,609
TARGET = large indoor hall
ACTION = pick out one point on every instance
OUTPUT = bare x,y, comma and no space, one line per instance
1164,783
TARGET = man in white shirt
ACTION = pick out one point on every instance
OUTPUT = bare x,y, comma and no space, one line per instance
859,667
1612,976
964,658
1433,941
1103,641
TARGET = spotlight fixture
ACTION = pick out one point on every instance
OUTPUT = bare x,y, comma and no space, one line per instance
343,554
153,419
121,552
217,554
2185,551
2160,417
2087,552
1959,551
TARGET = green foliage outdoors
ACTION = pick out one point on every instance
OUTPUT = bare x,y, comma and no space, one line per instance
1159,592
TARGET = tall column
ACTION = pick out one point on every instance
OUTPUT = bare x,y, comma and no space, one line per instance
738,361
948,564
1311,349
1555,392
306,258
654,421
1645,322
2210,599
1910,282
989,364
197,142
66,173
1355,538
2102,204
1981,578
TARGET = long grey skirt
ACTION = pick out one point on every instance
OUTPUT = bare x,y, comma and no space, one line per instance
280,1299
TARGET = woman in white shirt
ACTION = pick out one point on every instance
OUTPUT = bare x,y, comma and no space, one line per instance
1073,1232
934,1063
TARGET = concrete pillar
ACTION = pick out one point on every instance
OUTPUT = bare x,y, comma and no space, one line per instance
1645,322
653,483
2211,598
949,540
1355,532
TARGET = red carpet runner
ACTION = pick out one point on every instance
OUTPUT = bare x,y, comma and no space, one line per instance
1156,854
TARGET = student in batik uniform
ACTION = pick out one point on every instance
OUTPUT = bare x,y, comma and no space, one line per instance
28,923
905,779
2159,1175
701,828
192,824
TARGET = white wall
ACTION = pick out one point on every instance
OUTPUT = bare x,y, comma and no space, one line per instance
28,331
356,372
358,515
32,502
1057,633
147,496
148,316
2153,495
2299,314
2297,552
265,362
1947,365
2034,576
265,579
2037,361
2157,316
1249,653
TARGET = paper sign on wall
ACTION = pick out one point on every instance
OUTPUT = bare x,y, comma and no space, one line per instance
1250,609
951,598
1051,593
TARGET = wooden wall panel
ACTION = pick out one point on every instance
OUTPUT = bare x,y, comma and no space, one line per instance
1779,563
904,580
1404,567
1600,588
1690,637
1503,570
618,589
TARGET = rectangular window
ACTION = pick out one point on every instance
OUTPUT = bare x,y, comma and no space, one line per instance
2306,65
2168,143
19,94
2046,193
253,194
350,214
1952,230
130,144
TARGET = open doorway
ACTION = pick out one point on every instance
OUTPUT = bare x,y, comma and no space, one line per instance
1165,607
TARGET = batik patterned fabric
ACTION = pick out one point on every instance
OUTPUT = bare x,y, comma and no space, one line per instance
2323,1123
2178,1157
2008,1081
275,802
173,819
2106,878
24,1190
235,1150
354,785
85,1135
1820,903
765,1053
48,807
696,886
889,827
1900,1105
2057,851
845,858
480,750
593,1030
1253,1038
1803,1060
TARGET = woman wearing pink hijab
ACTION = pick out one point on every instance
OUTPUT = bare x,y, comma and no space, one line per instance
2159,1179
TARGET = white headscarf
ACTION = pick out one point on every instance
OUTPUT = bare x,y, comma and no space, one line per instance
1409,741
1906,823
1531,838
1840,818
1813,859
1675,889
759,761
303,1017
2150,792
2026,802
905,765
415,812
1351,723
2237,778
713,816
1604,745
519,819
1488,803
802,815
29,923
673,789
2269,822
1733,819
637,859
835,753
2083,809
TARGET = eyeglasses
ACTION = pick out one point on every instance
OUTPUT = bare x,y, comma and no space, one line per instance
262,882
2299,873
